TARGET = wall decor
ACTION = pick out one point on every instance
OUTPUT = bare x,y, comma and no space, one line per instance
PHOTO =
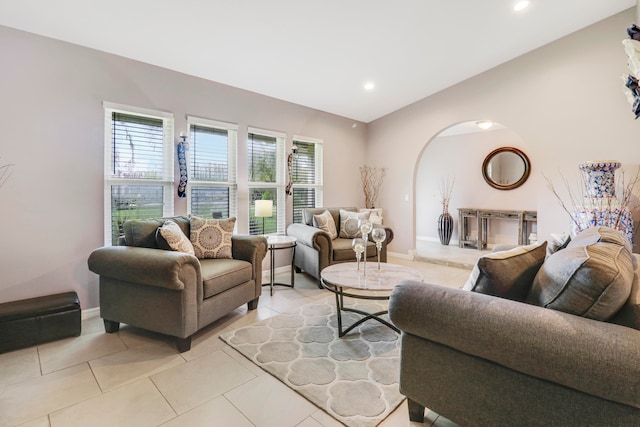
506,168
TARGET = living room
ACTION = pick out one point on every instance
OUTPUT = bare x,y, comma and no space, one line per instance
565,100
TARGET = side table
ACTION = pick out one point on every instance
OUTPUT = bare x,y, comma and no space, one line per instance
276,243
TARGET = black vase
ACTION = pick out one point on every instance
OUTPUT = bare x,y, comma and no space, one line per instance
445,228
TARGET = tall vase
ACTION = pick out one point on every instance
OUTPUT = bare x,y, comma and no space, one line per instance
445,227
600,204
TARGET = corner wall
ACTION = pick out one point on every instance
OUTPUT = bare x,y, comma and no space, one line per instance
565,100
53,131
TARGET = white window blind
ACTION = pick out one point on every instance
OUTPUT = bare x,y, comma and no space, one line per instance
212,185
265,151
138,166
307,176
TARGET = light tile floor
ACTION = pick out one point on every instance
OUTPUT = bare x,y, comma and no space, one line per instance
137,378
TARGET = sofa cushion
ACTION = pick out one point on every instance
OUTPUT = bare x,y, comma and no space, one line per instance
211,238
219,275
174,237
629,314
557,242
324,222
599,234
349,223
342,250
507,274
142,232
593,281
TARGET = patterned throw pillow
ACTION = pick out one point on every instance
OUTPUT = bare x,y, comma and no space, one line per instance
325,222
349,223
175,238
211,238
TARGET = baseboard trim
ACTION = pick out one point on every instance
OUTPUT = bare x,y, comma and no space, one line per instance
89,313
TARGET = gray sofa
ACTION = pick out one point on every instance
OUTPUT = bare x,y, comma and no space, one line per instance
174,293
316,250
482,360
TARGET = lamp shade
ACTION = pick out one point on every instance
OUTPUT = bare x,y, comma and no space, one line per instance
264,208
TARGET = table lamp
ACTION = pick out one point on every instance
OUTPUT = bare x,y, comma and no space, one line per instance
263,209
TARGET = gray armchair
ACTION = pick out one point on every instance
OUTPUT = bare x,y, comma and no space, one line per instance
174,293
316,250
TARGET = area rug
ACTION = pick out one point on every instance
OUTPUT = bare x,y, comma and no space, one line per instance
354,378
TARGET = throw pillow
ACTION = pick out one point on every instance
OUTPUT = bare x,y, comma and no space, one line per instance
593,281
175,238
325,222
599,234
211,238
349,223
557,242
507,274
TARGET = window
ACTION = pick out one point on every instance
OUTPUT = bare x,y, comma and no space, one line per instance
265,150
212,186
307,176
138,166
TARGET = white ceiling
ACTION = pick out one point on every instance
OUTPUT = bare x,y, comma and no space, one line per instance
316,53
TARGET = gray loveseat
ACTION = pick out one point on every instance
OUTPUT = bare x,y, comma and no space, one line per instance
174,293
316,250
482,360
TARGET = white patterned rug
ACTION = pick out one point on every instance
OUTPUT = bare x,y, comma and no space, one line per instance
353,378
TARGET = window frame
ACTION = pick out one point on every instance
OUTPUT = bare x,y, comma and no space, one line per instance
318,185
279,204
166,181
232,159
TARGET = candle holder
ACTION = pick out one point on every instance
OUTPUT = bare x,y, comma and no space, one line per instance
365,228
357,245
378,234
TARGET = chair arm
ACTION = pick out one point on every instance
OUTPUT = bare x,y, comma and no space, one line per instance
153,267
310,236
598,358
252,249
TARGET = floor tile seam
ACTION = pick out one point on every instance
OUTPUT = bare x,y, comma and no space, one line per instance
87,398
175,411
237,408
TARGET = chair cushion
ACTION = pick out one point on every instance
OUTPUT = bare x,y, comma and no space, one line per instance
325,222
175,238
349,223
507,274
593,281
219,275
211,238
342,250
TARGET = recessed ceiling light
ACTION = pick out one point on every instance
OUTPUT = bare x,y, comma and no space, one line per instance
369,86
484,124
521,5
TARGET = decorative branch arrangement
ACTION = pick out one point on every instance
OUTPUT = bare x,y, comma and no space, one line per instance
5,172
446,188
579,203
371,182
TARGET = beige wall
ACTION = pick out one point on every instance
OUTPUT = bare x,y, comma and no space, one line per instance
52,129
565,100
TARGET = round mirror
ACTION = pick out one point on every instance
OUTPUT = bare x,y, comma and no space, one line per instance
506,168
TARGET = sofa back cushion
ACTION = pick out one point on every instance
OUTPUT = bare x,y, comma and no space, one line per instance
308,213
629,314
592,277
142,232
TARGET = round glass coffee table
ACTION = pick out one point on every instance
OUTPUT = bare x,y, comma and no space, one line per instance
344,280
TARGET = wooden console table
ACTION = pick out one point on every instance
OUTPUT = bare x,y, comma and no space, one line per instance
482,216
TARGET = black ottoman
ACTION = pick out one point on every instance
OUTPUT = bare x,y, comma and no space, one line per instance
28,322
